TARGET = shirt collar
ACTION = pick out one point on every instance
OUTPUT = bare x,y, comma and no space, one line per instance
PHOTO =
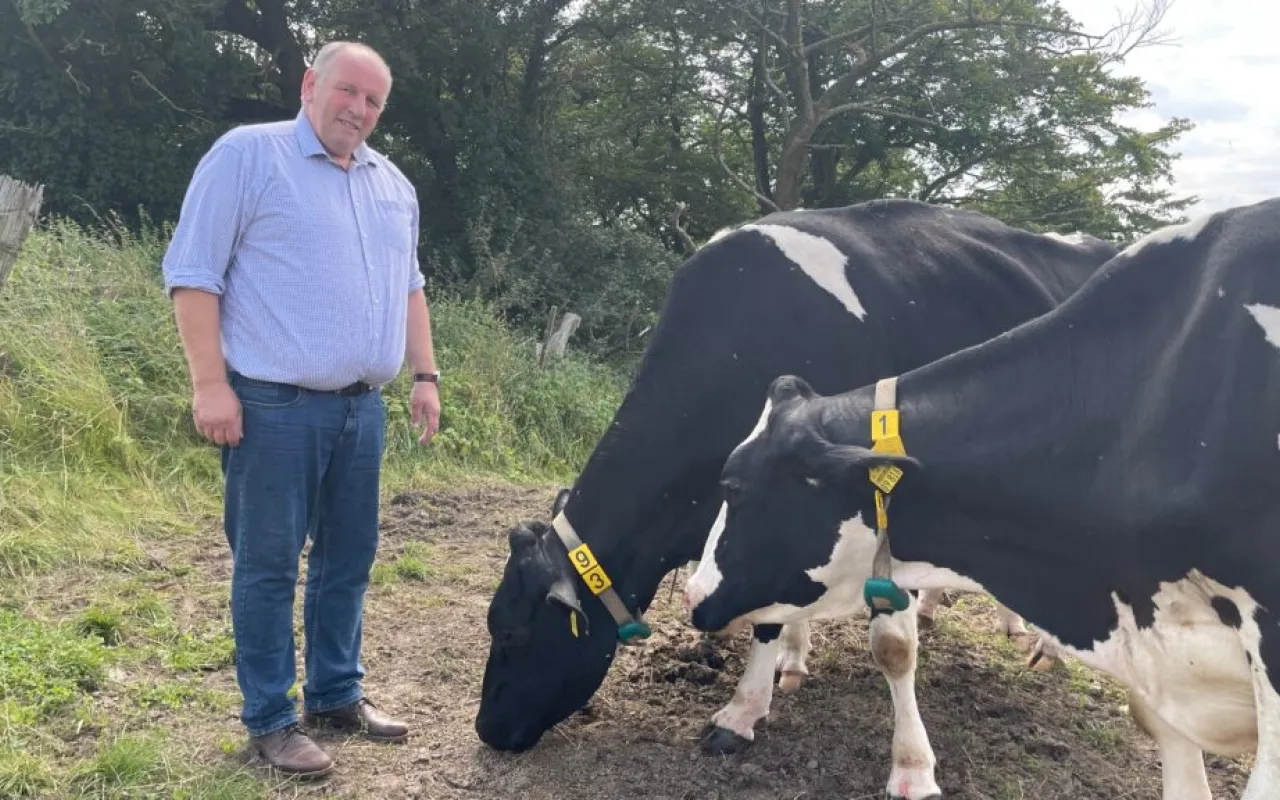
309,144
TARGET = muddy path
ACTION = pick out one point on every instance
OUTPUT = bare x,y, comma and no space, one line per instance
1000,732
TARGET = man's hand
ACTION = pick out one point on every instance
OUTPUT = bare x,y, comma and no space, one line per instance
217,414
424,407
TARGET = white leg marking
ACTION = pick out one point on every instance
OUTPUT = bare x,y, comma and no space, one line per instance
1264,780
791,661
1011,624
894,645
1181,760
818,258
754,693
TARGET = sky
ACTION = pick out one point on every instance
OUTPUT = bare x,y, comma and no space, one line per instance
1221,70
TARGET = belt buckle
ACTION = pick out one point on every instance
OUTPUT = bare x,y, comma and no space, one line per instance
353,389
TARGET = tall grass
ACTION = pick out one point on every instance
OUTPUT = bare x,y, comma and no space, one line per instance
97,449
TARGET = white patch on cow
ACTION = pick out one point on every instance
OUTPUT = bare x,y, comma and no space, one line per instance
1269,318
1169,233
720,234
818,258
1189,668
1075,237
846,570
704,580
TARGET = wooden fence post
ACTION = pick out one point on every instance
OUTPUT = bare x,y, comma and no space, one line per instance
19,208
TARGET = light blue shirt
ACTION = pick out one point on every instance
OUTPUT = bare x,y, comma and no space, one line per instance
313,263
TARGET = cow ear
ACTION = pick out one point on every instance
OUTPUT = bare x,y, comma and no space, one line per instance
844,461
562,500
789,387
521,539
562,594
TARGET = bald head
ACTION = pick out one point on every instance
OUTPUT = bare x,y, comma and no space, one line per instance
330,52
343,94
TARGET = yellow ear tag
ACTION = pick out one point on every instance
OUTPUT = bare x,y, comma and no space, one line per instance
882,514
573,623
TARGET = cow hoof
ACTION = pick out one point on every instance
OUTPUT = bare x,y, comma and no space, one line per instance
724,742
791,680
1040,661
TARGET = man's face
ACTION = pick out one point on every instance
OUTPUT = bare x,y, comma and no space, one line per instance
344,104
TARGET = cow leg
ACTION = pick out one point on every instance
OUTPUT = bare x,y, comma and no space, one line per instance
733,727
1042,654
791,661
894,644
1264,779
929,600
1181,760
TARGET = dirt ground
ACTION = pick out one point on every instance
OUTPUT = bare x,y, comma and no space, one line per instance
1000,732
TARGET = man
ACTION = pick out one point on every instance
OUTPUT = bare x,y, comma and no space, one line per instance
289,271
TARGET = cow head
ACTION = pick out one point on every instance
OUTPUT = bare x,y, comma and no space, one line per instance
546,656
790,533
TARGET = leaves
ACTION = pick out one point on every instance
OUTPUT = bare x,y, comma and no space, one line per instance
552,143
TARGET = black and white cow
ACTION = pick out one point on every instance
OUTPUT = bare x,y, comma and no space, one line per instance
841,296
1110,470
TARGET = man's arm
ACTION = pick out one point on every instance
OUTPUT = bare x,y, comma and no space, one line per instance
214,405
196,313
424,400
195,266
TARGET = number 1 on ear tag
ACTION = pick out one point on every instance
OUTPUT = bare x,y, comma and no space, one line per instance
573,623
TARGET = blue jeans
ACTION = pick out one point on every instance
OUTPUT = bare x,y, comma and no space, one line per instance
307,465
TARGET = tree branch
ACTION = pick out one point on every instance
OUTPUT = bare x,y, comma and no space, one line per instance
685,239
939,183
879,111
718,148
759,22
844,85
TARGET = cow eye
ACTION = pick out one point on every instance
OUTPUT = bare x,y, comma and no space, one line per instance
732,489
514,637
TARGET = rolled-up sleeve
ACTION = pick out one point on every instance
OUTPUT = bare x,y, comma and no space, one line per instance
211,221
416,279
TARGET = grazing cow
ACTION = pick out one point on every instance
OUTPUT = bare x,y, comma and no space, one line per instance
1110,470
841,296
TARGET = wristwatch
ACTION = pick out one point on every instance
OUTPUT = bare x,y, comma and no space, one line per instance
427,377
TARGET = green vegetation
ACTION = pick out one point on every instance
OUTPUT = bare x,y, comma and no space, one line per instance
102,480
552,143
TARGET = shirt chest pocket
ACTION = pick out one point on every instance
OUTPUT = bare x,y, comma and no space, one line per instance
393,228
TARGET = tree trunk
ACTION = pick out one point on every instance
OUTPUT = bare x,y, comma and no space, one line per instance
19,207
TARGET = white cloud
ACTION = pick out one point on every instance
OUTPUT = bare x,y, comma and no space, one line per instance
1222,71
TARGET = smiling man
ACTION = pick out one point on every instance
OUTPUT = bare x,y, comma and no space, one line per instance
297,294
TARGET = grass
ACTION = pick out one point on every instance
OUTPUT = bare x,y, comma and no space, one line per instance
105,491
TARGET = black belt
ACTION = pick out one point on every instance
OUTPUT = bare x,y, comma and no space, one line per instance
357,388
350,390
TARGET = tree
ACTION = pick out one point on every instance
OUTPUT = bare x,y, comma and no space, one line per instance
945,101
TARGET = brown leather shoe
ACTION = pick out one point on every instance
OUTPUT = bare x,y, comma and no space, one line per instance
363,717
292,751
